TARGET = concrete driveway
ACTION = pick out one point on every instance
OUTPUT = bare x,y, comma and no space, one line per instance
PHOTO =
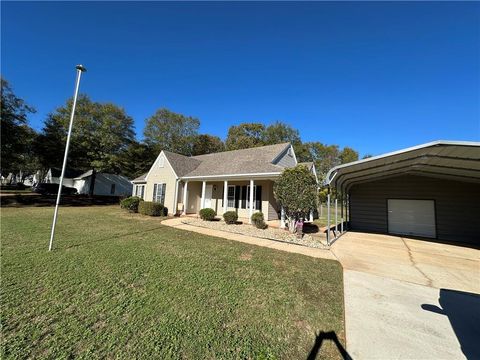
409,299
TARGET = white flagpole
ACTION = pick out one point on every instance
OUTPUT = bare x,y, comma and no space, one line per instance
80,69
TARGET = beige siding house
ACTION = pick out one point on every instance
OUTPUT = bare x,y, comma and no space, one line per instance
221,181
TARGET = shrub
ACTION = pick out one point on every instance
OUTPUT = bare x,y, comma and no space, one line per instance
151,208
131,203
258,220
230,217
296,191
207,214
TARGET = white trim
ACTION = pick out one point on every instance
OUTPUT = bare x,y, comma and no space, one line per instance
230,175
166,158
413,148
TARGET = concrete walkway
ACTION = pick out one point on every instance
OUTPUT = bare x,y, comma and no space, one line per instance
409,299
277,245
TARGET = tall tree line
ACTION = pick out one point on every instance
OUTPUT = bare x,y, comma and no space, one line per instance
103,138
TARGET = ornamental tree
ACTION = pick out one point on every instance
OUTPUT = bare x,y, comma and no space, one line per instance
296,191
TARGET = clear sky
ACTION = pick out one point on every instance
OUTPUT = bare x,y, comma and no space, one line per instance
375,76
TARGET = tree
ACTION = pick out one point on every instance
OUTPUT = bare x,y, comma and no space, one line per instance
16,135
166,130
348,155
280,132
296,191
100,133
366,156
136,159
207,144
245,135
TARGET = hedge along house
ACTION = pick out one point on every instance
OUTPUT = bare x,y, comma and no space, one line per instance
430,191
221,181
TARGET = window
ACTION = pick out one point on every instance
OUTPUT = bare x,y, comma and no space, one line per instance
139,190
243,197
159,193
161,161
231,196
112,189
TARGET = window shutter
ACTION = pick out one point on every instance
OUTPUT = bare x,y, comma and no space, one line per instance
154,192
258,201
237,196
162,200
244,197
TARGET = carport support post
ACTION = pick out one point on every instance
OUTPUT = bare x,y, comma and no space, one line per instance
336,214
328,217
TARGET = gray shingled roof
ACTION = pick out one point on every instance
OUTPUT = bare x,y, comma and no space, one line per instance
181,164
141,178
245,161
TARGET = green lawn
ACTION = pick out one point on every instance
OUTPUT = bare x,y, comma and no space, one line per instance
120,285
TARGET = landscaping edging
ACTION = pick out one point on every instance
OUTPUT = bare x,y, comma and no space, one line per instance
249,230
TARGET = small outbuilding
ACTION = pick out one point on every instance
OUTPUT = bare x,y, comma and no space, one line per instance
430,191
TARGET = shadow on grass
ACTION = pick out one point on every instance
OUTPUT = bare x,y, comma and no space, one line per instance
331,336
37,200
111,238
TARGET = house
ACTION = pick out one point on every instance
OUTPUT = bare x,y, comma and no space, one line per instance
221,181
105,184
430,190
53,176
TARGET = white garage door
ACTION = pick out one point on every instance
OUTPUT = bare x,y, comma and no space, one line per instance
411,217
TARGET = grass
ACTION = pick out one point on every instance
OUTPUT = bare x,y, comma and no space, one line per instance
323,216
120,285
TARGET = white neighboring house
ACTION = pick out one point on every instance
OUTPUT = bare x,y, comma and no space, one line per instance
53,176
105,184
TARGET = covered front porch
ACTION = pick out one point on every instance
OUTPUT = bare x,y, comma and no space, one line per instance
224,195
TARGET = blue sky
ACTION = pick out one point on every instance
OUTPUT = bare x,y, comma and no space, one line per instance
374,76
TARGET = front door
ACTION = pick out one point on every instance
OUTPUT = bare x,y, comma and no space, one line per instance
208,196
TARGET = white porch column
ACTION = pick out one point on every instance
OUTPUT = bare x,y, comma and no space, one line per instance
225,196
185,198
311,216
175,199
202,201
282,218
251,202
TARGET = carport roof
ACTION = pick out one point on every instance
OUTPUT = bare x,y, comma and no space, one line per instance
455,160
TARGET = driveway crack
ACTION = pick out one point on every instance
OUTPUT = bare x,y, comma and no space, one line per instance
415,265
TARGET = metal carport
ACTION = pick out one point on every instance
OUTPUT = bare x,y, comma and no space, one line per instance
447,172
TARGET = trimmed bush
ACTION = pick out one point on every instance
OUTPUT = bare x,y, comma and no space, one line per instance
230,217
207,214
151,208
258,220
131,203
